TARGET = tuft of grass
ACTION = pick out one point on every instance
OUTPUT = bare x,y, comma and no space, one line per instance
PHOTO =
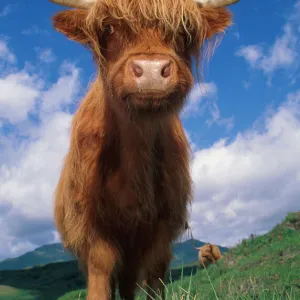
75,295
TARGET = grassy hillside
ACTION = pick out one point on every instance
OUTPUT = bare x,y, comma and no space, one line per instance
264,267
44,283
183,252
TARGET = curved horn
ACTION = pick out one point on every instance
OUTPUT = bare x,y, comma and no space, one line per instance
88,3
75,3
217,3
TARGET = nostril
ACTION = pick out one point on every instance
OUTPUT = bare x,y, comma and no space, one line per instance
166,70
137,70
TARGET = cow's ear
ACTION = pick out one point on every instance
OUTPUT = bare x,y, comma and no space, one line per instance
216,19
72,23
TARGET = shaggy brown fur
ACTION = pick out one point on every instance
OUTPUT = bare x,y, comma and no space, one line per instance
124,190
208,254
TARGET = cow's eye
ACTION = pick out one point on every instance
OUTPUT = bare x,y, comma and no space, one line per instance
109,29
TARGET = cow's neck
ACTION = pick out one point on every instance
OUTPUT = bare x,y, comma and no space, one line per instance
137,139
136,145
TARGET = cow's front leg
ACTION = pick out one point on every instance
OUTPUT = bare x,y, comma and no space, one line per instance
102,260
157,277
157,263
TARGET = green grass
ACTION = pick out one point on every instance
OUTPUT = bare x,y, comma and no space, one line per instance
261,268
264,267
10,293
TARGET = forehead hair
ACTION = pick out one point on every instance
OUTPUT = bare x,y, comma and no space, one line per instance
171,17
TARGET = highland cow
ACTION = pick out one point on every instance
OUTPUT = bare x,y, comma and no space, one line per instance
208,254
125,186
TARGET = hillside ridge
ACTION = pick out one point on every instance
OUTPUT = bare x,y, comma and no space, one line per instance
183,252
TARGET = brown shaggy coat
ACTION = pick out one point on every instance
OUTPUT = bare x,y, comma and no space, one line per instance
208,254
125,186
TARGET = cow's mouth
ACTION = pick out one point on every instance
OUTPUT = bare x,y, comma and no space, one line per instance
154,101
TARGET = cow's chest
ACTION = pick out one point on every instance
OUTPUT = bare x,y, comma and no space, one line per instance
130,190
134,188
141,192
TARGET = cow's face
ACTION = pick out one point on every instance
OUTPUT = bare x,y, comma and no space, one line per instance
144,50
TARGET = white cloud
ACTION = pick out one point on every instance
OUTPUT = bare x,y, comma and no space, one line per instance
283,54
192,144
22,90
63,91
46,55
204,97
197,95
30,165
34,30
19,88
248,185
5,11
19,91
237,35
5,53
28,183
252,54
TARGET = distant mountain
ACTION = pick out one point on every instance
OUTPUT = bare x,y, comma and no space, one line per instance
183,253
40,256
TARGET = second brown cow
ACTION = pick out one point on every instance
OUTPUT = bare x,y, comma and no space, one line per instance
208,254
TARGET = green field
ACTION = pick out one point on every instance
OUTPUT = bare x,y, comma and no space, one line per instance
263,267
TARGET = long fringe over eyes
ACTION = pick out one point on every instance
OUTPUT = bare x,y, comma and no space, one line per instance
171,17
170,14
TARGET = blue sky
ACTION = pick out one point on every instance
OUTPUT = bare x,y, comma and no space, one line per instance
243,121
